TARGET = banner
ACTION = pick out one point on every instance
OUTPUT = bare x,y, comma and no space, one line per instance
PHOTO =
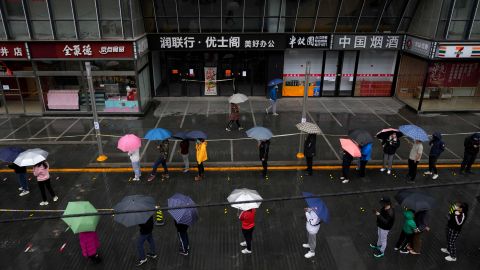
210,81
81,49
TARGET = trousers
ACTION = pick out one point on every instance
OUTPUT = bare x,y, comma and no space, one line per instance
412,169
388,158
312,241
468,160
45,184
248,235
309,164
22,181
452,236
382,239
186,163
201,169
136,168
159,161
273,106
432,164
141,240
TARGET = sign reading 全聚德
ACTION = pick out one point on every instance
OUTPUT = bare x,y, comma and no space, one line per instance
81,49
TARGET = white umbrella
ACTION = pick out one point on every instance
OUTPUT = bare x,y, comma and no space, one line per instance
31,157
244,194
309,128
237,98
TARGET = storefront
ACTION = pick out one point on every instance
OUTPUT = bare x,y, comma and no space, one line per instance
439,77
50,77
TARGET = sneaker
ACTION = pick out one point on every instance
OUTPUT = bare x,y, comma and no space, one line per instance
240,128
462,172
444,250
382,169
395,248
306,245
141,262
246,251
23,193
266,111
389,172
404,251
152,255
20,188
243,244
275,114
198,178
227,129
342,178
150,178
427,173
165,176
379,254
375,246
183,253
185,170
43,203
136,179
309,254
413,252
435,176
345,181
450,259
55,198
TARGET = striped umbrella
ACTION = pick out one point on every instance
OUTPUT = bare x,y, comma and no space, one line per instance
308,127
187,216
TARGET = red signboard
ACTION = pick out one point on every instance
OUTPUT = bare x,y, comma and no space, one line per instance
458,74
81,50
13,50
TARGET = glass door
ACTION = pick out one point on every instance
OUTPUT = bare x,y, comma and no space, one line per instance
348,70
330,74
30,95
12,95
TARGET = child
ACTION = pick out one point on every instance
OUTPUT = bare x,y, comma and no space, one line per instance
40,170
135,158
89,244
346,162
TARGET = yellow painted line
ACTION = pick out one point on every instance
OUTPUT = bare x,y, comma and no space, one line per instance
233,168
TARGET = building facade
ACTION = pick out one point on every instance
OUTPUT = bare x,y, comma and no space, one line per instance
425,53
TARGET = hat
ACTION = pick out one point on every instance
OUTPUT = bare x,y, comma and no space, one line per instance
385,200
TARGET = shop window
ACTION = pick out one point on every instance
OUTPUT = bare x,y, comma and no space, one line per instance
111,29
116,93
164,8
112,65
255,8
210,25
346,24
457,30
127,29
187,25
475,30
61,10
308,8
58,65
411,74
375,73
367,24
18,30
232,15
3,35
294,72
64,93
85,9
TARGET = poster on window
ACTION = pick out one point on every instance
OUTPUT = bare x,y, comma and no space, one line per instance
210,81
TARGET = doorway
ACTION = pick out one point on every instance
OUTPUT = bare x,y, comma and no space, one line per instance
20,95
339,73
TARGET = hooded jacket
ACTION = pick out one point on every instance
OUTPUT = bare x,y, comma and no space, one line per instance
201,154
310,145
386,219
472,143
409,227
437,145
273,93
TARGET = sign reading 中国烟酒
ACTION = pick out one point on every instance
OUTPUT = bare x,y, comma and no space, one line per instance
81,49
367,42
419,46
458,51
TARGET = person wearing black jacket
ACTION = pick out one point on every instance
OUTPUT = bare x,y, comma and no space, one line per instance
390,146
309,149
456,219
183,237
385,221
346,162
145,235
22,178
437,146
263,148
471,145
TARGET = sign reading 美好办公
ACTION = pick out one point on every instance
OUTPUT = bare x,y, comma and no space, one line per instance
367,42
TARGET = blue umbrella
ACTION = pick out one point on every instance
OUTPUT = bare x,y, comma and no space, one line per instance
318,206
182,135
259,133
158,134
414,132
186,216
275,82
9,154
138,203
196,134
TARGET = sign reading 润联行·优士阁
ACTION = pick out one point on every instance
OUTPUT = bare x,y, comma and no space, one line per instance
367,42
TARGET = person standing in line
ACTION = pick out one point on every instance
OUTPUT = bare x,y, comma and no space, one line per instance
456,219
421,221
346,162
437,146
163,149
313,226
472,145
234,117
263,149
385,221
89,243
146,230
405,241
366,151
272,95
183,237
413,160
309,149
201,154
184,146
135,159
390,146
247,218
40,171
21,173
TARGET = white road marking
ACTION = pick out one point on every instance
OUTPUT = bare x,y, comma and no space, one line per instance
468,122
6,120
13,132
253,115
396,112
325,137
331,114
91,130
371,110
231,150
40,131
173,151
208,107
67,129
343,104
185,114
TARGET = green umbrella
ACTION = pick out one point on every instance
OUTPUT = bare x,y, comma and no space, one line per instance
81,224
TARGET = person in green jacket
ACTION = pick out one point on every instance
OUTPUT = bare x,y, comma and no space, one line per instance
404,243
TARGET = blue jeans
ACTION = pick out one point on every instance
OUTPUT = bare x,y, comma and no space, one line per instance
159,161
141,239
136,168
22,181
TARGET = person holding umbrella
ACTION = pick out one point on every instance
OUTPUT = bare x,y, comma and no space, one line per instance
184,147
390,146
413,159
201,155
263,149
316,213
40,170
146,230
135,159
234,117
385,221
21,172
472,145
420,218
247,218
89,244
183,218
309,149
437,146
366,151
130,144
272,95
350,150
456,219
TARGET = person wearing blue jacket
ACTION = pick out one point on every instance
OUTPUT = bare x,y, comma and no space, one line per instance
437,146
366,151
272,95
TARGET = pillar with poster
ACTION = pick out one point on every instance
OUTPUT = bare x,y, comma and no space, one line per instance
211,81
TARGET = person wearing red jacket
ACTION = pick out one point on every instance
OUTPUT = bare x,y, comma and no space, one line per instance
247,218
89,243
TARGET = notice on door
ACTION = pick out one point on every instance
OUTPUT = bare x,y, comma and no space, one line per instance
210,81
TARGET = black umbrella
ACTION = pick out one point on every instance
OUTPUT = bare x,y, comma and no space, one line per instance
414,200
386,132
360,136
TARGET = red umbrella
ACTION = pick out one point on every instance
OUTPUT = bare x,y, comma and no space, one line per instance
351,147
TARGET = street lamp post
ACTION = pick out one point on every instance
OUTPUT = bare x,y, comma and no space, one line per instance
304,109
101,156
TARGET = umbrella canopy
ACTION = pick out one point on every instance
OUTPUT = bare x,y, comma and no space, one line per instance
414,132
31,157
244,194
237,98
351,147
186,216
158,134
196,134
415,200
318,206
307,127
81,224
134,203
386,132
9,154
275,82
360,136
182,135
129,143
259,133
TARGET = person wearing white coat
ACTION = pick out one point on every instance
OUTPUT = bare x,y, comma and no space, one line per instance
135,158
313,226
